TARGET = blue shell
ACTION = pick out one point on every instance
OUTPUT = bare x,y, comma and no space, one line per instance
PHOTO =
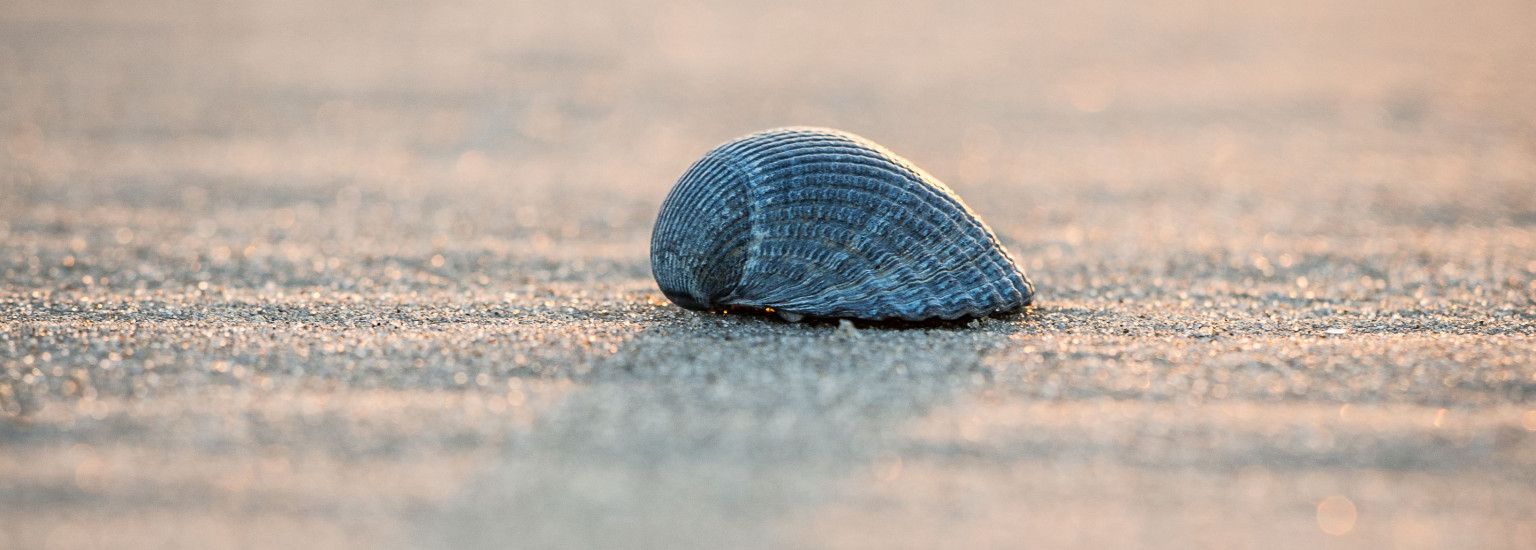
824,223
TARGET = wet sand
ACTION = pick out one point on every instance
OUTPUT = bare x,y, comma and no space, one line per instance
374,275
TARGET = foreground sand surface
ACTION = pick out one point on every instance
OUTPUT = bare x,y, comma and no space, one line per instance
368,274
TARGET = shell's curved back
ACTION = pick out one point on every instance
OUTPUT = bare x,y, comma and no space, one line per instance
820,222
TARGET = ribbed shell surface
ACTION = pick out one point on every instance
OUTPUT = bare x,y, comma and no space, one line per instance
824,223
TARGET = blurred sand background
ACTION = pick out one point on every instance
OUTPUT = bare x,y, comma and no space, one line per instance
373,274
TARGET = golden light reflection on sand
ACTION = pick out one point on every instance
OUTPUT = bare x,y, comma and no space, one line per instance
1336,515
1041,498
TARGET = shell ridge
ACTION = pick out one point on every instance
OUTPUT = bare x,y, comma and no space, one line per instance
882,256
975,235
798,286
792,167
762,238
877,256
664,255
869,190
695,277
924,188
786,297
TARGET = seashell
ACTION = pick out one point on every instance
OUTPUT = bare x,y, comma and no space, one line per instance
823,223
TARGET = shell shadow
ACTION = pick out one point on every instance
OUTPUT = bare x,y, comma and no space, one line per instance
962,323
719,426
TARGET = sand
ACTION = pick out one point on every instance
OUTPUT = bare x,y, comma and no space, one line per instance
374,275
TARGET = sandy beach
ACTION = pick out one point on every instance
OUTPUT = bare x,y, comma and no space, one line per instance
373,274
